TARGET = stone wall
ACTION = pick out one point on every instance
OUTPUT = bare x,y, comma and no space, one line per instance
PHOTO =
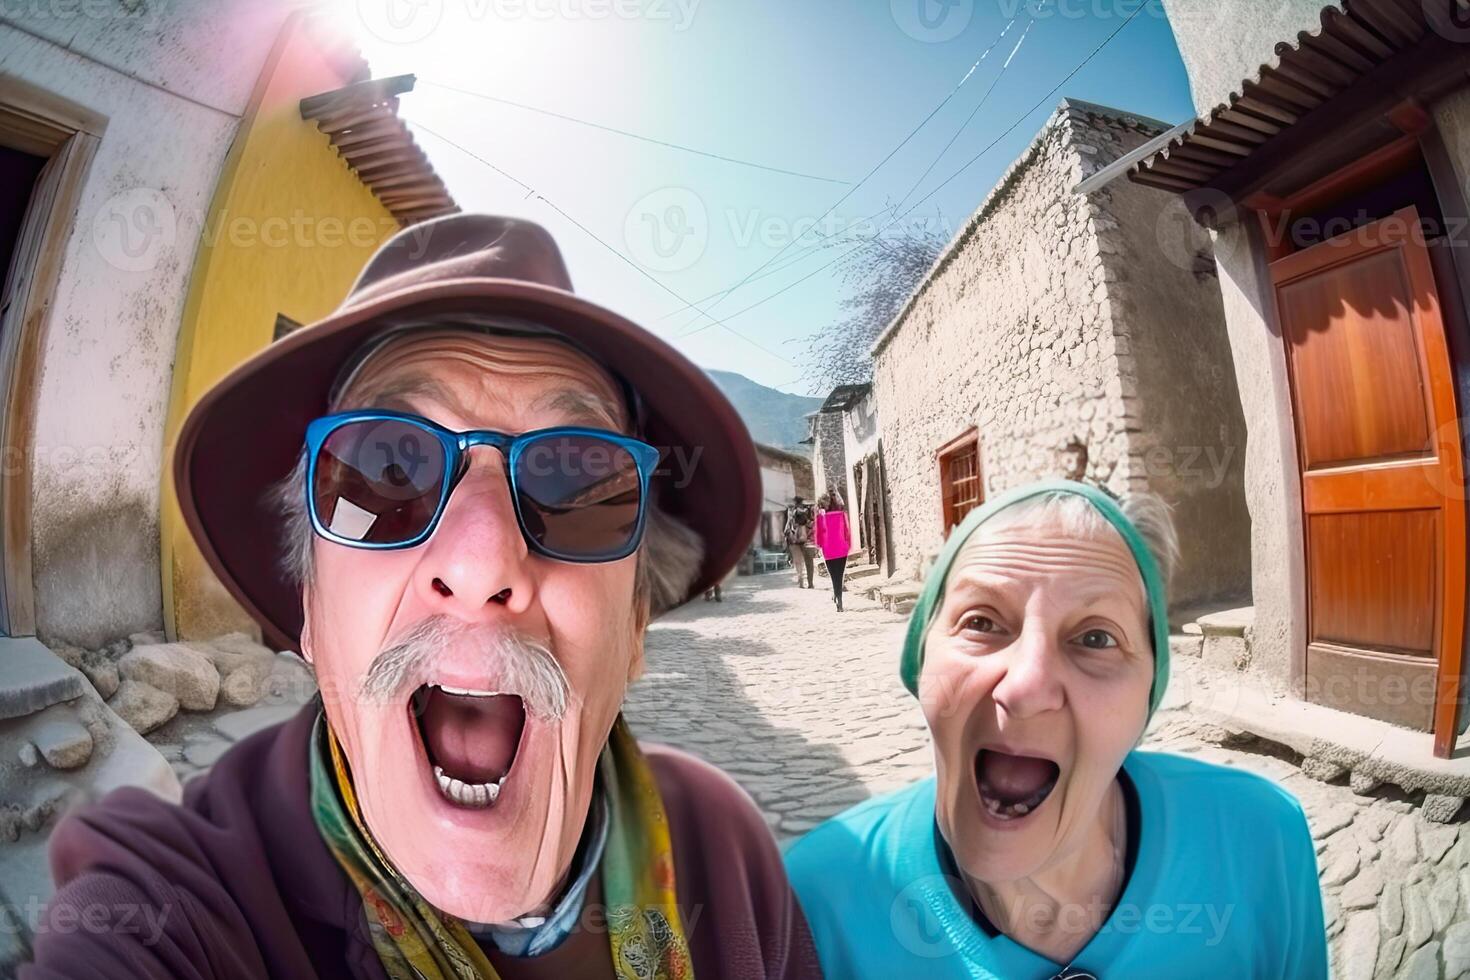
829,460
1033,327
1189,434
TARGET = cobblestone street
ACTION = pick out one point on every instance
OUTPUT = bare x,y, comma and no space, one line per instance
803,707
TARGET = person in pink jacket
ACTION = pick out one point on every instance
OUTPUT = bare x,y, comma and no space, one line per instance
834,538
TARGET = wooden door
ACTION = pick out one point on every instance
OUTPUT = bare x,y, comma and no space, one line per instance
1382,490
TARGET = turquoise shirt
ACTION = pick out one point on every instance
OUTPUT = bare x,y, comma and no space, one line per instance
1224,885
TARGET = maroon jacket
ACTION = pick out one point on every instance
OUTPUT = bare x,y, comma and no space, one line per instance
237,883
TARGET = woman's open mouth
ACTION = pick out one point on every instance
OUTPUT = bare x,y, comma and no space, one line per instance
471,739
1012,786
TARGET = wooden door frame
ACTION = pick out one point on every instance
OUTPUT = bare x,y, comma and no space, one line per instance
38,122
1451,571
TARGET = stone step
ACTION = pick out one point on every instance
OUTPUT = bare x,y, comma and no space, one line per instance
1227,622
855,572
894,596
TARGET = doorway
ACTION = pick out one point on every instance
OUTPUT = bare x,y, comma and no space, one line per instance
1373,402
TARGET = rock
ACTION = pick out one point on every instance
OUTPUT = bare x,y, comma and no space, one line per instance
1391,909
1418,924
1389,956
63,744
1373,822
1330,821
143,706
203,754
34,678
176,669
1359,947
1341,868
147,638
1332,915
1403,842
1458,856
1322,770
1457,950
242,688
1435,841
103,675
1441,809
1423,964
1444,899
70,655
29,757
1362,892
1363,784
239,724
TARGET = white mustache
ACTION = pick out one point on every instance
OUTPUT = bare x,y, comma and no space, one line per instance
522,664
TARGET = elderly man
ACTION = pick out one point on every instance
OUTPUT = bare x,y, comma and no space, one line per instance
500,485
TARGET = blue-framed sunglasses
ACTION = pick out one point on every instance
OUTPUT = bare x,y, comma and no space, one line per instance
380,479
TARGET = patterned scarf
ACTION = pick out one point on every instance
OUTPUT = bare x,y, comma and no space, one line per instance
415,940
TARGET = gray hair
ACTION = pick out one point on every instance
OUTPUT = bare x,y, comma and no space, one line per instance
1148,512
669,558
524,666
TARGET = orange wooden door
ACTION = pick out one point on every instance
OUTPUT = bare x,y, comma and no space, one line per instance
1382,489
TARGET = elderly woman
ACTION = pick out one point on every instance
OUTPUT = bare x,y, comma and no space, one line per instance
1047,845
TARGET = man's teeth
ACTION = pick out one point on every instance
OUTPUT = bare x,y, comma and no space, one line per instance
467,692
467,794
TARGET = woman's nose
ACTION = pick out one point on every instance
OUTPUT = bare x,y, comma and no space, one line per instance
476,564
1031,684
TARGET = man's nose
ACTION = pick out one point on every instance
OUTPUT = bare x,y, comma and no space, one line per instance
1031,684
476,563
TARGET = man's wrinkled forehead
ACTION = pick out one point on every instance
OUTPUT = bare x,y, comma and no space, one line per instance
458,367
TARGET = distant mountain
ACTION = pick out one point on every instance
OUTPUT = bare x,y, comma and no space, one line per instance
773,417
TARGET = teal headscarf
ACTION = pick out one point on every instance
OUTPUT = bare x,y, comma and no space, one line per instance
1153,582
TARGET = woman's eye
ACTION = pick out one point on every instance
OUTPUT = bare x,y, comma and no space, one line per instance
979,624
1097,639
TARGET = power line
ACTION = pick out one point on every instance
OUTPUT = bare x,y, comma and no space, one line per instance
876,167
631,135
897,218
532,192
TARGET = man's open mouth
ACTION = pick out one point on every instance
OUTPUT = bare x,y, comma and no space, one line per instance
471,739
1011,786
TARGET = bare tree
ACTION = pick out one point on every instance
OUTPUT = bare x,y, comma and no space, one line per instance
880,276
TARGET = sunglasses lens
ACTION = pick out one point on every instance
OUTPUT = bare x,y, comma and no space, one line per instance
378,481
579,495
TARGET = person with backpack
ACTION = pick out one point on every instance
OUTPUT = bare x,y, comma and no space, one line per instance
800,520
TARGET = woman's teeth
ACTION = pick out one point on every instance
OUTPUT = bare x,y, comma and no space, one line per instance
467,794
1014,811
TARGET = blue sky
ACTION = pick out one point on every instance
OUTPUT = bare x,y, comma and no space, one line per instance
822,89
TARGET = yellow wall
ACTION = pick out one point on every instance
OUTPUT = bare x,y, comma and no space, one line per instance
289,228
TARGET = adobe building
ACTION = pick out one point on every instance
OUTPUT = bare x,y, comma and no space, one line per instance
1069,334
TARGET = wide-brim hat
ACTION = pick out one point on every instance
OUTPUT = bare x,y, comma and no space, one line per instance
246,433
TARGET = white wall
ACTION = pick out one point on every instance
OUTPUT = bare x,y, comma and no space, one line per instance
172,83
1252,27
